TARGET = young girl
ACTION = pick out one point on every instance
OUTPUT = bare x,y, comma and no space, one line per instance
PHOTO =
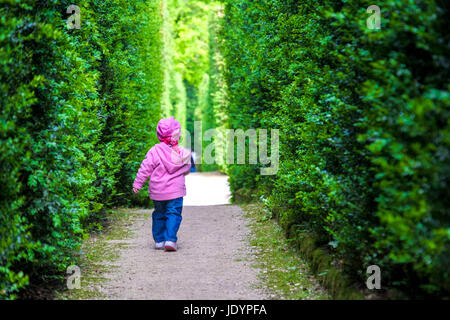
165,164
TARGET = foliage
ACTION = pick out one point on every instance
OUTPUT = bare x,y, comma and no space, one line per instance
78,112
192,71
364,126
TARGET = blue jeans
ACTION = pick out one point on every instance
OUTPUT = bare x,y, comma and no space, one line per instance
167,219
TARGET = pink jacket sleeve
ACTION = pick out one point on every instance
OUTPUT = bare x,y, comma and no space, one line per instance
145,171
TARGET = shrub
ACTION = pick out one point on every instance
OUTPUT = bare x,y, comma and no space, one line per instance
79,109
363,119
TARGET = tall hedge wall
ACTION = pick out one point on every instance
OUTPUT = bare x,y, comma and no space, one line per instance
78,111
364,127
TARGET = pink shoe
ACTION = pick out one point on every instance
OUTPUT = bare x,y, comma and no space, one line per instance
159,245
170,246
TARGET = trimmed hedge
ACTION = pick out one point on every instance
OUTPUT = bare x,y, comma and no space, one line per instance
364,127
78,111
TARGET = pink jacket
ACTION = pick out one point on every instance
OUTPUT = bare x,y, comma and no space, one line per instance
166,169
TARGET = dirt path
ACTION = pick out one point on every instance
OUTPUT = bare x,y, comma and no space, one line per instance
206,188
213,261
210,263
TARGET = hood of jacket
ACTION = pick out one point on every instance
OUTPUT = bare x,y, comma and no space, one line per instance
166,127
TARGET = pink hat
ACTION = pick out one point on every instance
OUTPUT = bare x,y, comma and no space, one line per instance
166,127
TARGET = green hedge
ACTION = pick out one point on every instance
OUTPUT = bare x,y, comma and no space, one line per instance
364,127
78,111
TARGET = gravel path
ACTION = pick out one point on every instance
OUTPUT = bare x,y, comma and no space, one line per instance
206,188
213,260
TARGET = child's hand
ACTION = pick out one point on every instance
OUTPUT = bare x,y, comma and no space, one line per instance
135,190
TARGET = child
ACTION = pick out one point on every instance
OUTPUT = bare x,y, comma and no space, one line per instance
166,164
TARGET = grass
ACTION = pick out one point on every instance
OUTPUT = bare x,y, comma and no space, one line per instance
283,272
